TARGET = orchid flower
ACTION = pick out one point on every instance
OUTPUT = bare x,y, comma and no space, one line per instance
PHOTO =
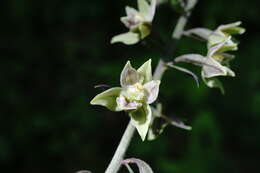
138,22
135,95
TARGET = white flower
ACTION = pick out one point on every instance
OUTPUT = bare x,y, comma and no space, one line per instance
138,22
137,91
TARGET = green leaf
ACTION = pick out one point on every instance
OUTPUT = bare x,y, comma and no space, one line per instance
129,75
141,119
107,99
145,71
128,38
142,166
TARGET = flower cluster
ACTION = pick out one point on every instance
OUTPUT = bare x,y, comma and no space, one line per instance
216,62
138,22
135,95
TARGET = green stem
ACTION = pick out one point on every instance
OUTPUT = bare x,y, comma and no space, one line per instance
115,163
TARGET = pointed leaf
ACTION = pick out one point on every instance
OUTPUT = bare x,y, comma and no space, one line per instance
152,88
129,75
145,71
107,99
141,119
199,33
128,38
142,166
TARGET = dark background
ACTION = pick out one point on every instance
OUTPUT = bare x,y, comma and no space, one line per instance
52,54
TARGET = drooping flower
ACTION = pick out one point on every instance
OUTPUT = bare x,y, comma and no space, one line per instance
221,34
136,93
138,22
216,63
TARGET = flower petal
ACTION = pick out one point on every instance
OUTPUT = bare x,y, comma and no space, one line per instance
141,119
146,9
107,99
129,75
199,33
152,88
145,71
130,11
210,67
142,166
124,105
128,38
232,28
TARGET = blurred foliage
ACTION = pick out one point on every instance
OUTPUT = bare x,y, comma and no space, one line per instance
53,53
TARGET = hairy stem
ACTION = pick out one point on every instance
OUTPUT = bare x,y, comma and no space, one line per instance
176,35
115,163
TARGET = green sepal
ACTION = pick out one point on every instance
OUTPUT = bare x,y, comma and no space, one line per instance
145,71
234,30
107,99
128,38
145,30
141,119
214,83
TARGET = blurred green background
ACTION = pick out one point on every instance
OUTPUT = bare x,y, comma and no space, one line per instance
52,54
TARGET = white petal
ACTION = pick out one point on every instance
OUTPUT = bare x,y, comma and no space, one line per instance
129,75
152,88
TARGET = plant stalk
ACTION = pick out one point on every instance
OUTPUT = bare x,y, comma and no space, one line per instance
115,163
176,35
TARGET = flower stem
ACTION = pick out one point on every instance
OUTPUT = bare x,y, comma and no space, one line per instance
115,163
176,35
